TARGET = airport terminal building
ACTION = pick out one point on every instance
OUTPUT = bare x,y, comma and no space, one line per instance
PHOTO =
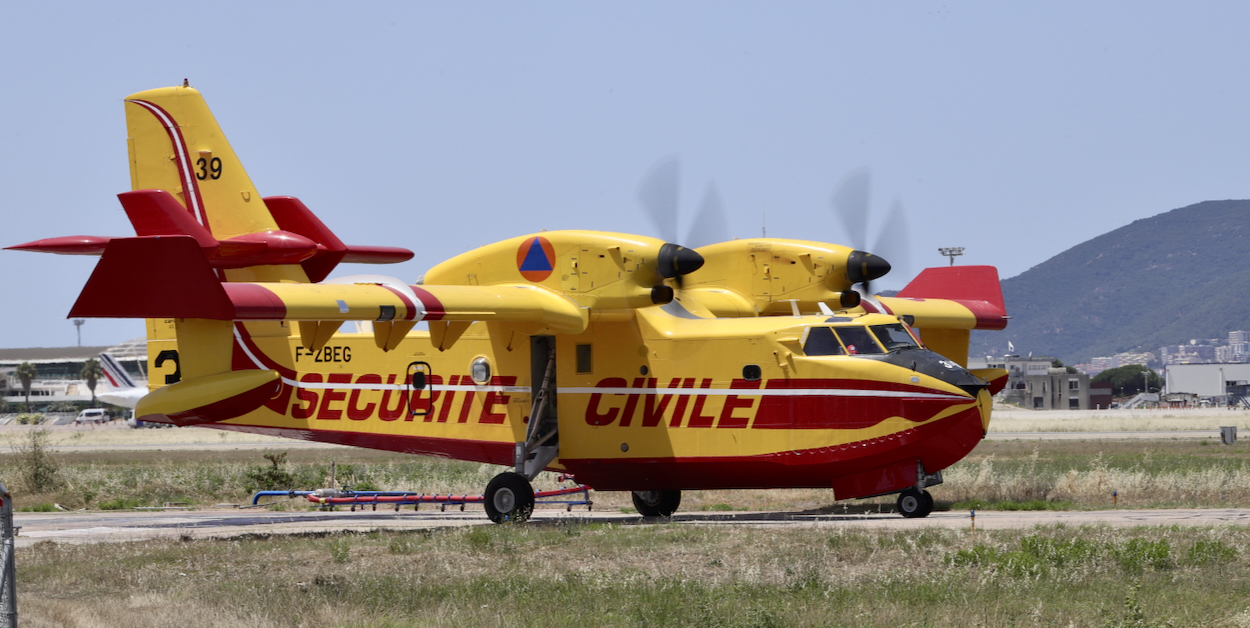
57,370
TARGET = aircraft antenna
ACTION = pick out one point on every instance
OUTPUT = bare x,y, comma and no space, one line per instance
951,252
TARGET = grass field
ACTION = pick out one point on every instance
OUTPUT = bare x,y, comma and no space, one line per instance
998,474
578,574
585,575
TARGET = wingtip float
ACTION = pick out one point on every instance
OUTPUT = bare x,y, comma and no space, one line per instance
633,363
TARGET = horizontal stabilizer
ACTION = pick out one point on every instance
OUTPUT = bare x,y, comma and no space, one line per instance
975,288
65,245
292,215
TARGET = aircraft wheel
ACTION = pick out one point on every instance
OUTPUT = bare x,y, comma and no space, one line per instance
656,503
509,498
914,504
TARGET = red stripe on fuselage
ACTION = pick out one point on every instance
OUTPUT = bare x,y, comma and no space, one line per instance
937,445
488,452
834,411
258,355
433,307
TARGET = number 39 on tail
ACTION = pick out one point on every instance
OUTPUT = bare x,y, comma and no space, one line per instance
631,363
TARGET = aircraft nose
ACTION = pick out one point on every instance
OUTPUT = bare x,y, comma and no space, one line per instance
862,266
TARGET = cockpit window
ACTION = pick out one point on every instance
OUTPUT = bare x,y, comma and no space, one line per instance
858,341
894,337
821,341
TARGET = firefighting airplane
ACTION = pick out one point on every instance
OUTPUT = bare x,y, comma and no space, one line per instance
631,363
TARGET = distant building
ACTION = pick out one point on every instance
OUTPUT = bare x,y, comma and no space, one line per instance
1100,397
1125,359
1188,354
1034,383
1208,381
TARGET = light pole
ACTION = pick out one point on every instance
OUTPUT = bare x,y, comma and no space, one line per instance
78,327
951,252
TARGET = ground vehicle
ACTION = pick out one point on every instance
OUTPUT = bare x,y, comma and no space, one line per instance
92,415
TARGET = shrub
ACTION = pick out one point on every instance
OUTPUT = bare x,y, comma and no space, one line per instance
39,471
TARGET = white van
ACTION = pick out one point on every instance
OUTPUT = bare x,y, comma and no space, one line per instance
92,415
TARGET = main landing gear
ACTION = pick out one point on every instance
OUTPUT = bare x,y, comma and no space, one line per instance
656,503
509,498
915,503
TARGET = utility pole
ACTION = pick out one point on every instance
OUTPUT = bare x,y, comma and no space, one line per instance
8,575
951,252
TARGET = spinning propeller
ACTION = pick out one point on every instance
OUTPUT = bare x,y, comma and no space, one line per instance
659,194
851,201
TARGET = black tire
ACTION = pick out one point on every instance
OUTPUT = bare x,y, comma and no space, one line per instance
915,504
509,498
656,503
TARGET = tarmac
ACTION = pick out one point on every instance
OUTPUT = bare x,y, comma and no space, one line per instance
96,527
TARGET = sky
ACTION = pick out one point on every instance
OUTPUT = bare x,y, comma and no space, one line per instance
1014,130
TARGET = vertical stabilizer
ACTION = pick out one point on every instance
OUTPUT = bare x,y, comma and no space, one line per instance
176,145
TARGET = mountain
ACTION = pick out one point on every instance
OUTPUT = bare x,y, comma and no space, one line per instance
1159,281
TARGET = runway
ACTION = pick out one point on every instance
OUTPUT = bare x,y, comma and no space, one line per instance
97,527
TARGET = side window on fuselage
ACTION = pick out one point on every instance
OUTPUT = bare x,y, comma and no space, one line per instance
821,341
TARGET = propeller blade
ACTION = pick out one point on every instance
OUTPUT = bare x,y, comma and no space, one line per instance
850,202
710,223
894,242
658,193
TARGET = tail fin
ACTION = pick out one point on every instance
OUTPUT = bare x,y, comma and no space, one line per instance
176,145
117,376
187,180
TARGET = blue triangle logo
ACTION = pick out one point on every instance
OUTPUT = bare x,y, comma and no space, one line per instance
536,258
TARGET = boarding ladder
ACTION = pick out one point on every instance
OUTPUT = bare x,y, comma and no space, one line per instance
542,441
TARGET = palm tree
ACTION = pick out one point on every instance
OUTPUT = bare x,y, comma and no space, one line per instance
92,373
26,373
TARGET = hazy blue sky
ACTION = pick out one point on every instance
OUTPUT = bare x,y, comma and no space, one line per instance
1015,131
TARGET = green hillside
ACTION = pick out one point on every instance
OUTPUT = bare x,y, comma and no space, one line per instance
1158,281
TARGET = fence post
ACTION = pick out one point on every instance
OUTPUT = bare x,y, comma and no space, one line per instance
8,572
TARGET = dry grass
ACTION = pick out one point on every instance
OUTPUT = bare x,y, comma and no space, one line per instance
650,575
1007,420
117,433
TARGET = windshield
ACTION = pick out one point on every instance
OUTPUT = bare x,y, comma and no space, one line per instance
894,337
858,341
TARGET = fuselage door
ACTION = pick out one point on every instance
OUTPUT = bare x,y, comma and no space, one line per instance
420,389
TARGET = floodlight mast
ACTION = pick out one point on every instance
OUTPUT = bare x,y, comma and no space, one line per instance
78,327
951,252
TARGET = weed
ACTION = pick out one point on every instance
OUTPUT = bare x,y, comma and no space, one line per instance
1206,552
1138,554
340,550
45,507
38,469
272,478
119,503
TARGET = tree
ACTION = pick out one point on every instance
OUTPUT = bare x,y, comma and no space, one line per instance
1129,380
26,372
1057,363
91,372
